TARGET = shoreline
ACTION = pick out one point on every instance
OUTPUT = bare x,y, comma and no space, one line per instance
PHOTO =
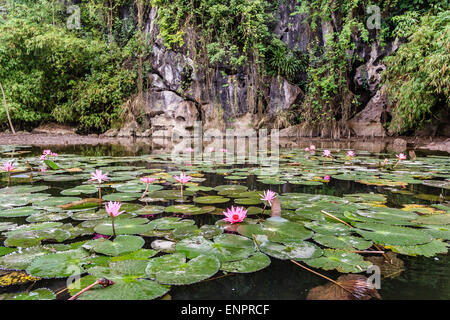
395,143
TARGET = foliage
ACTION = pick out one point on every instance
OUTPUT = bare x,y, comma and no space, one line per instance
52,73
417,76
230,31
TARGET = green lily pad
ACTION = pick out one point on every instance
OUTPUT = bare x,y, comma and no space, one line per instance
290,250
394,235
342,242
129,283
342,261
58,265
120,245
226,247
169,223
124,226
256,262
122,196
428,250
211,199
173,269
206,231
38,294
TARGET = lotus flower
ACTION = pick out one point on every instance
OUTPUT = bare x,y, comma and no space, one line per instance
223,150
182,178
326,178
326,153
307,149
268,196
189,150
146,180
112,208
8,166
351,153
234,215
312,148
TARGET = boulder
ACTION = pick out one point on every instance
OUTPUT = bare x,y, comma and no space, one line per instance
55,129
282,95
367,123
438,146
129,129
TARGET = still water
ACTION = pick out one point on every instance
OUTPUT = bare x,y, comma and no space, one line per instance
421,278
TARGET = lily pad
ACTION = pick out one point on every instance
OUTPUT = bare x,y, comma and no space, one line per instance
342,261
173,269
120,245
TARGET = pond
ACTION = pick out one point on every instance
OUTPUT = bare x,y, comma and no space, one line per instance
335,210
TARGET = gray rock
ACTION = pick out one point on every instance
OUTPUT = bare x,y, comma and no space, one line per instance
54,129
367,123
282,95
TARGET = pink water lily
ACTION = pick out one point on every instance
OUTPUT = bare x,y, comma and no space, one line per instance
327,178
189,150
268,196
312,147
182,178
351,153
8,166
99,236
146,180
47,152
211,149
234,215
100,177
307,149
112,208
326,153
400,157
223,150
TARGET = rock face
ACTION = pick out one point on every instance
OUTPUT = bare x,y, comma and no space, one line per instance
368,122
184,90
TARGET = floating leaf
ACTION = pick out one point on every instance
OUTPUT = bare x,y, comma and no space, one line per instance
394,235
173,269
129,283
124,226
120,245
342,261
256,262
